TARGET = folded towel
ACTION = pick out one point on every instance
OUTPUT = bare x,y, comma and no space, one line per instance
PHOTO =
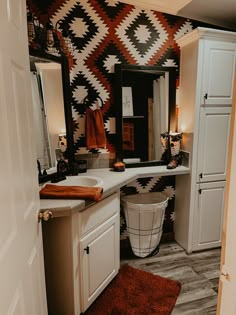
70,192
95,132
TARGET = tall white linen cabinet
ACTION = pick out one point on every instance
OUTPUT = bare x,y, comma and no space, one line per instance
207,66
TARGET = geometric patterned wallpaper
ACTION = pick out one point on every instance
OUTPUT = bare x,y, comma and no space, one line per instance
105,32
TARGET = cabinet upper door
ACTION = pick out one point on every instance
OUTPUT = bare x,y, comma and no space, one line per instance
218,72
213,143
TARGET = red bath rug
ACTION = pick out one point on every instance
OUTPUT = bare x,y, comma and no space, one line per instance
136,292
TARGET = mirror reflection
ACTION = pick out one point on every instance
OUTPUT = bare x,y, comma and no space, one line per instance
48,112
145,98
52,114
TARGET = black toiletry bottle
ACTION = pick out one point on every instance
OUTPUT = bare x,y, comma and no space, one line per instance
62,167
82,166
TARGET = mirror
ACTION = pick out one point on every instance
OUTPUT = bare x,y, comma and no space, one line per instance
145,100
51,112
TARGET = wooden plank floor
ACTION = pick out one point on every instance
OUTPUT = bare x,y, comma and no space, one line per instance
197,272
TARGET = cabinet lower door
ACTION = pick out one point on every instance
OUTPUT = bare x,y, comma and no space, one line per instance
100,260
208,215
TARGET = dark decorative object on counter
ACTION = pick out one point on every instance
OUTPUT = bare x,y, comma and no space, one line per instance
171,143
119,166
62,167
175,143
82,166
165,157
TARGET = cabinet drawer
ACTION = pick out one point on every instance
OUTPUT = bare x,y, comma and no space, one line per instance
93,216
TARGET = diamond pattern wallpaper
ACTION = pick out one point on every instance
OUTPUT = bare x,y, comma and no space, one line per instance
103,33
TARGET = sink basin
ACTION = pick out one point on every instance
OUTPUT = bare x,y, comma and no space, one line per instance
81,180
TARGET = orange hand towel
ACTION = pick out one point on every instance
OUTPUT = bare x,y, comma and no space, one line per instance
71,192
95,132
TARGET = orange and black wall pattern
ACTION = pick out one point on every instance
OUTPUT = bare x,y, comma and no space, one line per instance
103,33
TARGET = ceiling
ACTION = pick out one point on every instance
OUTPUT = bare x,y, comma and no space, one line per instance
167,6
216,12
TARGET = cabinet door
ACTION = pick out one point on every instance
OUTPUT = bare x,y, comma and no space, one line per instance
100,259
213,143
218,72
208,215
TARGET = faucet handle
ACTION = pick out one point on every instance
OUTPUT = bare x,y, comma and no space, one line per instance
39,168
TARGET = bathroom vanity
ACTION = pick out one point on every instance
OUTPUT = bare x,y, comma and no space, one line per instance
81,255
81,241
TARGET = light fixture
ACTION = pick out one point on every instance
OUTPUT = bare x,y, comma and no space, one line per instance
49,39
62,142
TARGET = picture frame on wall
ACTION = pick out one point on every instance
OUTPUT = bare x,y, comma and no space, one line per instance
127,101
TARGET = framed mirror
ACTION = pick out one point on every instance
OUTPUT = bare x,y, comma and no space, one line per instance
145,101
51,96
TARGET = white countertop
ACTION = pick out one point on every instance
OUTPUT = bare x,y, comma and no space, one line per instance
112,182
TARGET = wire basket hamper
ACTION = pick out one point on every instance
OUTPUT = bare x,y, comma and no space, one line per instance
144,215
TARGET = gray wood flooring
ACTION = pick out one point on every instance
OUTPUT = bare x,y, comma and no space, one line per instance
197,272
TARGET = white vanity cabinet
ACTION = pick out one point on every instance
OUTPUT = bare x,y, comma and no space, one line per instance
99,228
207,65
82,255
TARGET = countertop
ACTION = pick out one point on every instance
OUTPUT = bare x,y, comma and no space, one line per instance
112,182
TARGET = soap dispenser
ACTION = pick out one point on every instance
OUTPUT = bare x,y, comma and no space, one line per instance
62,167
62,171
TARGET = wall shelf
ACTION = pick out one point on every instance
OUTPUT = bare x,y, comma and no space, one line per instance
132,117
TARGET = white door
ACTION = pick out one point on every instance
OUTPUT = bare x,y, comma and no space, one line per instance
218,72
208,215
213,143
227,284
22,284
